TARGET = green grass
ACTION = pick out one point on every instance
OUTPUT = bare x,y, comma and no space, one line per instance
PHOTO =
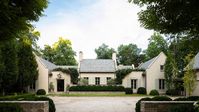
98,95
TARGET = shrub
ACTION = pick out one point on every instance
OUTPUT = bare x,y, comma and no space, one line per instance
154,92
41,92
10,107
137,108
172,92
161,98
193,98
181,99
128,91
141,90
181,108
96,88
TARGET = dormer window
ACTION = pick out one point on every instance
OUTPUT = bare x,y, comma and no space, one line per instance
161,68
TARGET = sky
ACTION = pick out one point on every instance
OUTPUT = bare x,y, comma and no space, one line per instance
89,23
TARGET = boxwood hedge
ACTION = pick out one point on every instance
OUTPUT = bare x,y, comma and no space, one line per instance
96,88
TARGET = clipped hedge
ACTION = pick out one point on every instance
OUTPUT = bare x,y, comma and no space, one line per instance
141,90
128,91
41,92
182,108
10,107
190,98
30,97
138,104
96,88
154,92
172,92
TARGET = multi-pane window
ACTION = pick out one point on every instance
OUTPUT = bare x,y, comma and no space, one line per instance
134,83
161,68
108,79
97,80
161,84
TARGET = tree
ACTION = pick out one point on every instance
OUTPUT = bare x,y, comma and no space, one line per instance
128,54
104,52
156,45
61,53
170,16
190,75
17,15
9,69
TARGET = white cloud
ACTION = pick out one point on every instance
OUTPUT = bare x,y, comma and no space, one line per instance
112,22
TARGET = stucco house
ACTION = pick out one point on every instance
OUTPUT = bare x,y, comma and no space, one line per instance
195,63
97,71
48,78
151,78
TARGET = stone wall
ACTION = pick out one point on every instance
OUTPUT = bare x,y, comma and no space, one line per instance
161,106
31,106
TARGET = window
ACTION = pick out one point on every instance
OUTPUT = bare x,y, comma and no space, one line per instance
161,68
134,83
97,81
161,83
86,78
108,78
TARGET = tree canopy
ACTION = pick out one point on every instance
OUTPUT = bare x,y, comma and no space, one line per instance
170,16
17,15
104,52
61,53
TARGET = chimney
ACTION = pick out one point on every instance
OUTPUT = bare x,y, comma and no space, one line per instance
80,56
114,56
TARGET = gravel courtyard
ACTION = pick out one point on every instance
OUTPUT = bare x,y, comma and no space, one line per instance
95,104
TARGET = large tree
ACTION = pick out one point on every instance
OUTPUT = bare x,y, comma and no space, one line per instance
156,45
129,54
170,16
61,53
16,16
104,52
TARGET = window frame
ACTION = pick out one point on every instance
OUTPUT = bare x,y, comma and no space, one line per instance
97,80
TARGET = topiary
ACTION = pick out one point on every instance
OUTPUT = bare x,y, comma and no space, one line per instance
161,98
138,104
41,92
128,91
154,92
10,107
50,101
181,99
193,98
172,92
141,90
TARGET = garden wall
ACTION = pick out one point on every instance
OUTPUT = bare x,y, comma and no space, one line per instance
161,106
31,106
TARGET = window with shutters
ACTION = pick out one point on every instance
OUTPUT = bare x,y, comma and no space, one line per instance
134,83
161,83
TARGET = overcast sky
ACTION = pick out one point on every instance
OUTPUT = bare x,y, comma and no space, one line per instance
89,23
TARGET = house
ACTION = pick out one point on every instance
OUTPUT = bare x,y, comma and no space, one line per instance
49,80
196,68
97,71
151,78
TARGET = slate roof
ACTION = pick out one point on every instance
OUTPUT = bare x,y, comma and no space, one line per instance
124,67
147,64
97,66
47,64
196,61
60,66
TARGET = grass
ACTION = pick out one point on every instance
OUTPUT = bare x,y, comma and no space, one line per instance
98,95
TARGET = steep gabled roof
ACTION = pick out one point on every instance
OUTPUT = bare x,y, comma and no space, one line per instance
47,64
97,66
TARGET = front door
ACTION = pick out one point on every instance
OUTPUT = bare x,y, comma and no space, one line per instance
60,85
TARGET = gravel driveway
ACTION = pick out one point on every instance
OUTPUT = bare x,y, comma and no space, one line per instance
95,104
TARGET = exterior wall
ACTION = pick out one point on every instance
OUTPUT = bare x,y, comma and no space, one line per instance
103,76
153,74
196,91
42,81
55,76
126,82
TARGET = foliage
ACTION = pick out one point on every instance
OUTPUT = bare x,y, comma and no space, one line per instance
51,87
141,90
72,71
96,88
170,17
172,92
41,92
122,73
156,45
138,104
104,52
154,92
190,98
161,98
61,53
83,82
181,108
128,91
10,107
129,54
17,15
190,76
111,82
